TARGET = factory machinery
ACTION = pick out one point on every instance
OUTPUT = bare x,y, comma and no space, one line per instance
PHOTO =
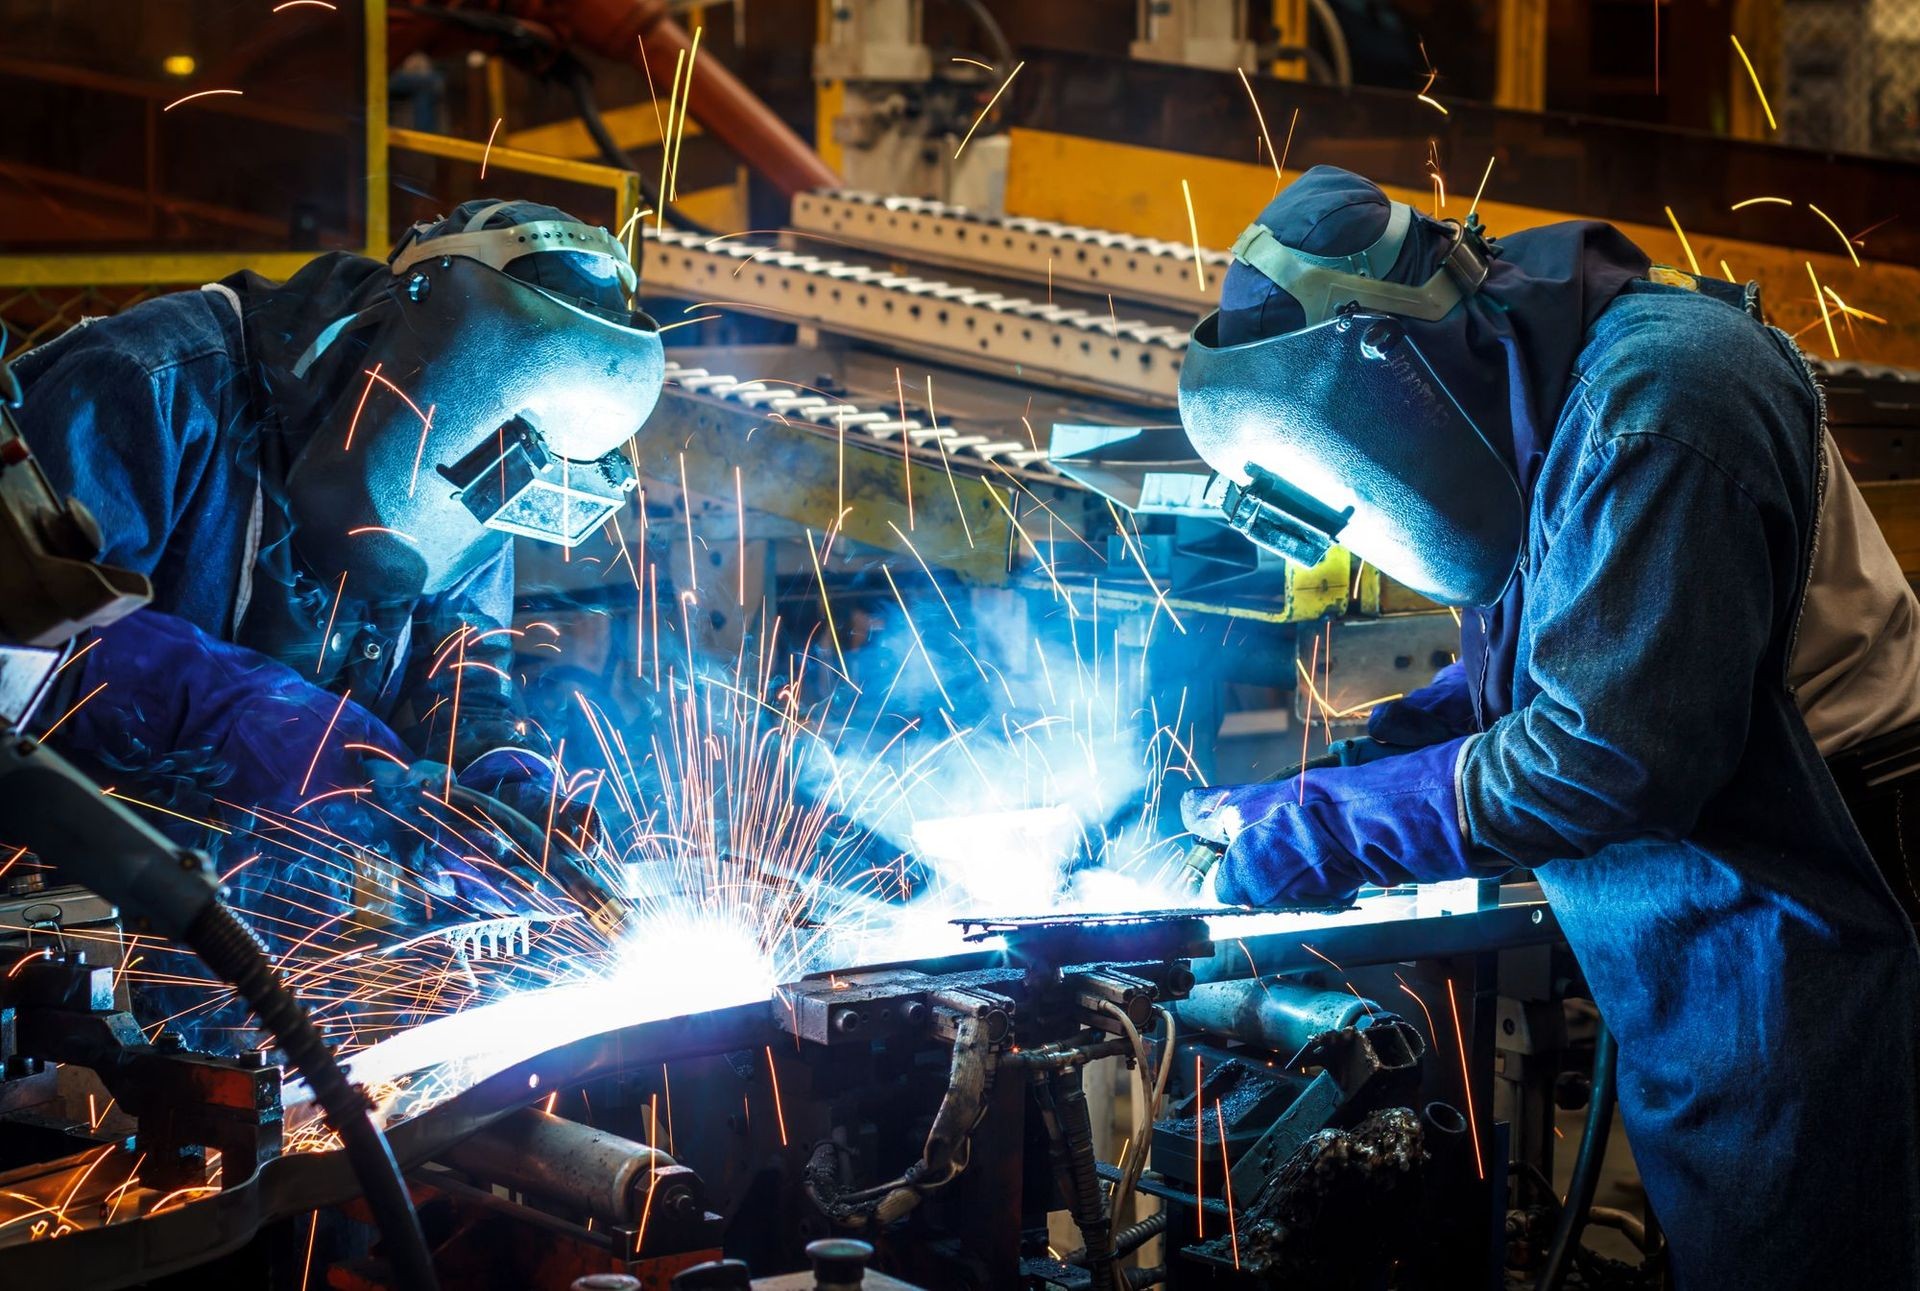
1305,1126
1180,1098
1363,1097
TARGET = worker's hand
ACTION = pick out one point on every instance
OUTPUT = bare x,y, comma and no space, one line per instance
154,697
557,819
1440,710
1316,838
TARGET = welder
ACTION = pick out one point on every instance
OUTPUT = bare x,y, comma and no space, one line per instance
323,479
1688,682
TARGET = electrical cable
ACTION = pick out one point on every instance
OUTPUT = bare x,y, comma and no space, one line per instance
230,949
1341,58
990,26
580,83
1586,1166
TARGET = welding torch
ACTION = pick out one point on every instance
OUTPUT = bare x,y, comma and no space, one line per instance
603,907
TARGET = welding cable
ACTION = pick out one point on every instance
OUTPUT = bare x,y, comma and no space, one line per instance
1586,1166
1129,1181
230,949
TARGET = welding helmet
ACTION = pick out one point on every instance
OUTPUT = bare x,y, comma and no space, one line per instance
497,372
1335,426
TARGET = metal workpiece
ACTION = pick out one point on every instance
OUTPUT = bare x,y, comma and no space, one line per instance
1079,348
1073,257
563,1161
1283,1017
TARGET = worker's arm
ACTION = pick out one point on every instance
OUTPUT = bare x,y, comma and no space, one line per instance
1643,683
206,729
126,441
1647,620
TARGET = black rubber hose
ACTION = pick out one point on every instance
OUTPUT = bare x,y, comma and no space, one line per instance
990,28
580,82
1586,1166
230,949
1086,1204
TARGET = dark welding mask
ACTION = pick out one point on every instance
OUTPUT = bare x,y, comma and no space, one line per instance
1340,430
484,406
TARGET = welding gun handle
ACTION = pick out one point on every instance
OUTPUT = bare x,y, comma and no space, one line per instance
1198,864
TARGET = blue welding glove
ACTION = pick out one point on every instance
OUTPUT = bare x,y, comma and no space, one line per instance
158,697
1319,837
1440,710
208,728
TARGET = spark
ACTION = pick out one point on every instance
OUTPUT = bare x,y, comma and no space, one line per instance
75,656
672,191
1466,1086
1682,235
313,1231
197,94
666,132
327,636
689,322
1825,317
740,534
426,427
324,737
290,4
1845,241
1433,103
984,112
1756,201
1193,231
1261,117
906,463
1317,955
974,62
1850,311
1755,78
914,628
686,508
773,1075
488,151
1483,188
940,442
78,705
826,604
1233,1227
1287,147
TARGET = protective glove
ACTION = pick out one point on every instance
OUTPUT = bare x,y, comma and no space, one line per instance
217,728
1318,838
239,726
1440,710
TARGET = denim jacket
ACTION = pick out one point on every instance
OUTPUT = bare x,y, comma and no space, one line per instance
1657,775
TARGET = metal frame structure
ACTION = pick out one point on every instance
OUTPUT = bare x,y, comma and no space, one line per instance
138,269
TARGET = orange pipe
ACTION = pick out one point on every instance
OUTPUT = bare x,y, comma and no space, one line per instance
640,32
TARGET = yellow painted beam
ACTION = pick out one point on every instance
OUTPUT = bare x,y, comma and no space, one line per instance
636,126
1137,190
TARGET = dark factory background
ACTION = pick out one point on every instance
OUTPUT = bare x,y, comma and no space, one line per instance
797,868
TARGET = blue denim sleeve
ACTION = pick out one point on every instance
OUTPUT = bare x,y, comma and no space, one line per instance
124,441
1645,675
